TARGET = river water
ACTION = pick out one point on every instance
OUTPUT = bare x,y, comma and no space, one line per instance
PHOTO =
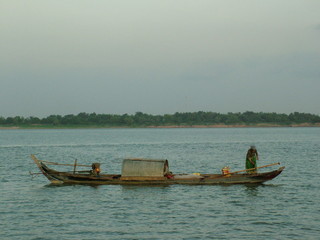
285,208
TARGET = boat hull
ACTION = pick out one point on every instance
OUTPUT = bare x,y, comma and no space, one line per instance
56,177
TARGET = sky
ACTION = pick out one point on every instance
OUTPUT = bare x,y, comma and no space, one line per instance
159,56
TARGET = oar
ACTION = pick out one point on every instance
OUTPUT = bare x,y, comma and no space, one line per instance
269,165
37,173
53,163
34,174
36,160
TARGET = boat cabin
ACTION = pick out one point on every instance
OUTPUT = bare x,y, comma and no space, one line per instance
143,169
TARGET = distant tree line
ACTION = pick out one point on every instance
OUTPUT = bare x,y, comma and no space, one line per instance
140,119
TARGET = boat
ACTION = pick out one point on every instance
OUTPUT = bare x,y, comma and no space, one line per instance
138,171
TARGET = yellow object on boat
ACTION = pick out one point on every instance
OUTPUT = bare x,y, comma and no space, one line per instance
225,170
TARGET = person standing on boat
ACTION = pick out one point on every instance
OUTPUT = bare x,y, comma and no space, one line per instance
251,159
95,169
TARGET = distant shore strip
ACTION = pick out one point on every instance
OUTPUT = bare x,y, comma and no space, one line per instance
260,125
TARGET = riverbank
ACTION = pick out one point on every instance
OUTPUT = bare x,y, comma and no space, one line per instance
259,125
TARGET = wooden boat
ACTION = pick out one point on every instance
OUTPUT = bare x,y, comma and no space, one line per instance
149,172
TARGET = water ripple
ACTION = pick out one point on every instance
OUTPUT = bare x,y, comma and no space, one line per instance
286,208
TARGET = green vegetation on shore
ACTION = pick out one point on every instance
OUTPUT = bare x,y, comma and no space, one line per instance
187,119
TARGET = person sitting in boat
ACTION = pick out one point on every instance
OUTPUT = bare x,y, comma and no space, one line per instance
95,169
251,159
169,175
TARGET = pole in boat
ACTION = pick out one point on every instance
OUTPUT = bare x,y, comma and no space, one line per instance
269,165
75,165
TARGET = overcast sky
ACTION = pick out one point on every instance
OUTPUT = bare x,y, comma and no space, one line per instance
159,56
